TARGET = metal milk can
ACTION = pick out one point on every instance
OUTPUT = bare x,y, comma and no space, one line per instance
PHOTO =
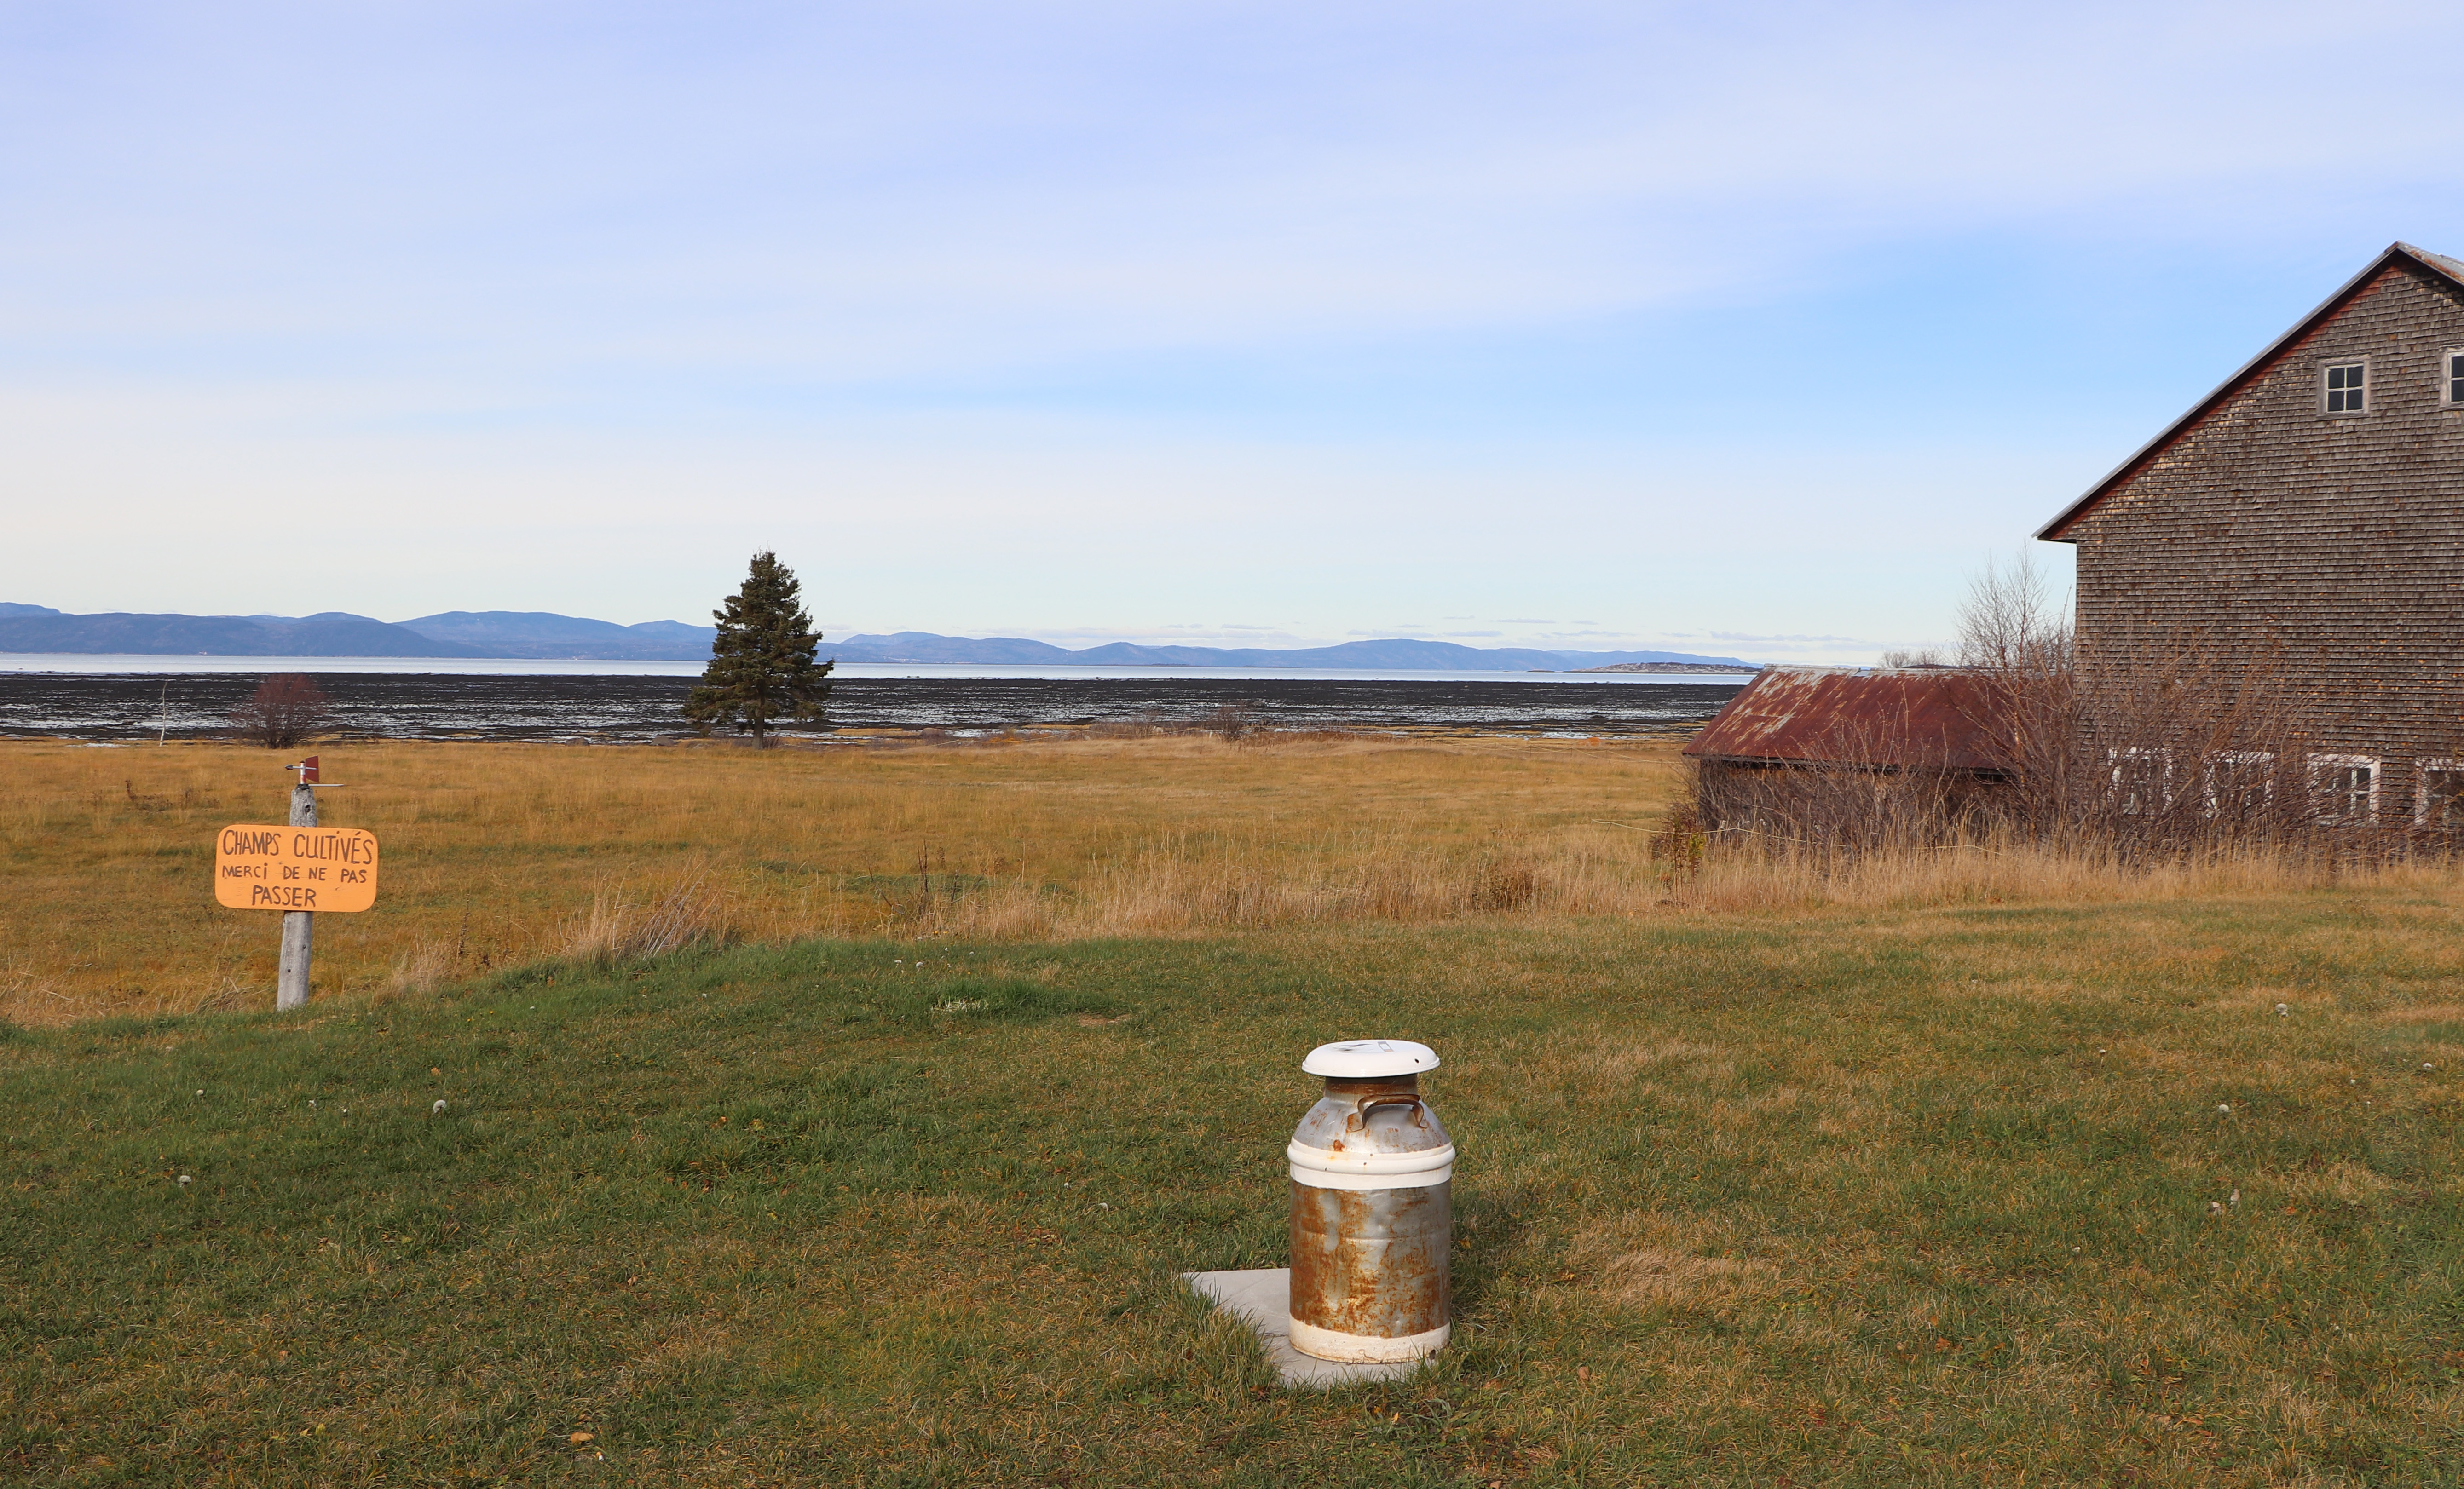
1373,1208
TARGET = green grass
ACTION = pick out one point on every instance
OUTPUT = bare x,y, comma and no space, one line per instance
1912,1199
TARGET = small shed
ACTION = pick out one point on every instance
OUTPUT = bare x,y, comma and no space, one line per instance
1829,747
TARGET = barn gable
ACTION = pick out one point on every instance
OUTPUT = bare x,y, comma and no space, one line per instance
2400,264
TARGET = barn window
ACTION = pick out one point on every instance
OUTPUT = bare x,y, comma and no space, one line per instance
2240,783
2345,788
2438,797
2450,377
2344,389
2143,780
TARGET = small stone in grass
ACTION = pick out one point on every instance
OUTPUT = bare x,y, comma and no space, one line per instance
2223,1107
184,1178
2283,1010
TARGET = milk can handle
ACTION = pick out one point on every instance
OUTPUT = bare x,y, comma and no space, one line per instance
1359,1113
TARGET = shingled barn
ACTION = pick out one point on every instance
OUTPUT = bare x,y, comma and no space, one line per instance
2306,519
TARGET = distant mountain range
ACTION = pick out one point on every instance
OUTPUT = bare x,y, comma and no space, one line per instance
1398,653
538,634
332,634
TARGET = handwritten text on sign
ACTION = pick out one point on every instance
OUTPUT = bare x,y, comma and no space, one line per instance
296,869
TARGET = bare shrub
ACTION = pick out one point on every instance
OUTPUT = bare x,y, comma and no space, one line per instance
1679,841
1234,721
2200,749
286,709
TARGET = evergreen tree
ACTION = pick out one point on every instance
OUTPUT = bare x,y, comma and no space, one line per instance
761,665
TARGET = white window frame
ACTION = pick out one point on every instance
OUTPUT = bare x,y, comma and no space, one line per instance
2450,377
2126,799
2369,389
2422,771
2265,759
2320,764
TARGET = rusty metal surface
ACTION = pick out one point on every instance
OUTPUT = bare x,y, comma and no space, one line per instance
1366,1115
1918,717
1373,1261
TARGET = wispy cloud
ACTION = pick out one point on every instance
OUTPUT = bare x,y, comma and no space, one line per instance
1063,321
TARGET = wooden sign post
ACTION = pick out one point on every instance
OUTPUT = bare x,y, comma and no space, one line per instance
299,927
299,870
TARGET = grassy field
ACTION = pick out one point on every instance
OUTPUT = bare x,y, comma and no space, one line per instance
1984,1195
1766,1181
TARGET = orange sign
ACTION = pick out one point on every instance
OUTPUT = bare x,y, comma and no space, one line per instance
296,869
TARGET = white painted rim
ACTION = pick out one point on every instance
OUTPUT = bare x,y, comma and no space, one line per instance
1319,1178
1423,1160
1324,1344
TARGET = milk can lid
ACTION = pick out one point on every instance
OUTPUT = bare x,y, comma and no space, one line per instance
1369,1057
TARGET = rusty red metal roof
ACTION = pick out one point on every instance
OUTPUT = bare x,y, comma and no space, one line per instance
1913,717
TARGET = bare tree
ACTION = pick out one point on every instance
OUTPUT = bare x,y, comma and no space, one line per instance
2013,634
2198,747
2012,622
286,709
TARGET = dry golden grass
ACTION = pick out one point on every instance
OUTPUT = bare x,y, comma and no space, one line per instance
500,854
496,854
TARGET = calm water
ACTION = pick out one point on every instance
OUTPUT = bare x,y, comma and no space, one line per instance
538,666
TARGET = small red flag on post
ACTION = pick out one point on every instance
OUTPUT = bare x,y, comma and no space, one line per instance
307,770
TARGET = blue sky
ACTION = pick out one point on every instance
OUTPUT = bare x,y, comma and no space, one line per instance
1738,329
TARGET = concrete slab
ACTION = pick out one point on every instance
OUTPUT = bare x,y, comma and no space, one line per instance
1263,1300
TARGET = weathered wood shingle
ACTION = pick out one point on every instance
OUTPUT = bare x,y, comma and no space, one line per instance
2324,553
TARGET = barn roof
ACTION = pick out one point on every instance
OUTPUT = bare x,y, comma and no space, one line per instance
1920,717
2436,265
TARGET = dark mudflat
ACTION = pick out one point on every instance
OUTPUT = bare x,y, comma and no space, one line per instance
450,706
